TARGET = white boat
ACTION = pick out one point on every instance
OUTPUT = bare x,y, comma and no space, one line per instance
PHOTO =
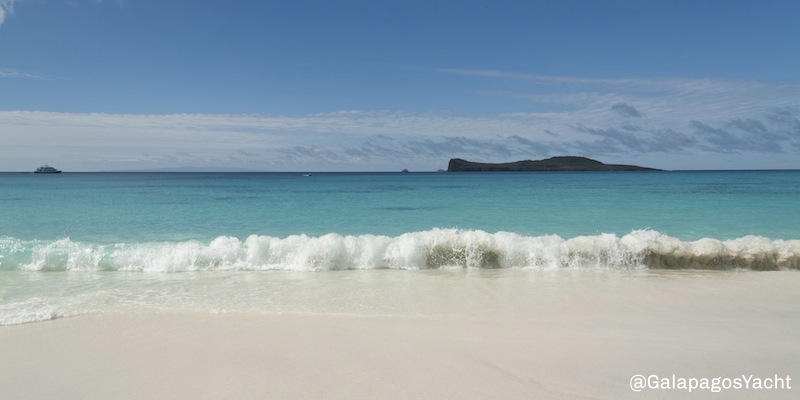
46,169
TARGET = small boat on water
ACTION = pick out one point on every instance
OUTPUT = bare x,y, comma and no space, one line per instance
46,169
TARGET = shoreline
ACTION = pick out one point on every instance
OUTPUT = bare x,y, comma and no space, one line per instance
576,338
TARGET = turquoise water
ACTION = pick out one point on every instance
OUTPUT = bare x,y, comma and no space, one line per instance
73,243
122,207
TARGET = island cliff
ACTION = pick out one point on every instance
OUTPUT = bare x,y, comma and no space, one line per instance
566,163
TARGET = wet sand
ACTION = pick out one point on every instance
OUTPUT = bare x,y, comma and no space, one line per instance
584,338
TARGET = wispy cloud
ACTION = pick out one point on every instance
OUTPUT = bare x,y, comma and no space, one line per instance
626,110
6,8
378,140
12,73
613,119
663,98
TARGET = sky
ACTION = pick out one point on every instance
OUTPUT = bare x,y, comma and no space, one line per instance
382,85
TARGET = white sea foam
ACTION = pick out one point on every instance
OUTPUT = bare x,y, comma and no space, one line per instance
437,248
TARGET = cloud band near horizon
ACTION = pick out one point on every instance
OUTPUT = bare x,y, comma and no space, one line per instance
617,120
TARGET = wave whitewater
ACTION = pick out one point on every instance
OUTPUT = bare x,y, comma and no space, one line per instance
437,248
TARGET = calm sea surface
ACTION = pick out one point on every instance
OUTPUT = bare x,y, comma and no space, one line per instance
132,207
90,235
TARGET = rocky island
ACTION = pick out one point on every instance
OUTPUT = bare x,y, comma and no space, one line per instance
564,163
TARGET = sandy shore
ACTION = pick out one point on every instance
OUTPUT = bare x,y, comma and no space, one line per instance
583,342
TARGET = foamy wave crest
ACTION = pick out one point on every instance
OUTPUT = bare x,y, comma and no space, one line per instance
437,248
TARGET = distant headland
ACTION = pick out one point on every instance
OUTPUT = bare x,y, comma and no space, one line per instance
564,163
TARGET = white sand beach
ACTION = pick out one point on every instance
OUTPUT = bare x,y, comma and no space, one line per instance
579,336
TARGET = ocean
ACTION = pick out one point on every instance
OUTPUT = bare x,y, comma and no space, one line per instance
78,243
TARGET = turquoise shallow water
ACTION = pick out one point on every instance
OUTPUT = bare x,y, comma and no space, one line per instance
91,242
122,207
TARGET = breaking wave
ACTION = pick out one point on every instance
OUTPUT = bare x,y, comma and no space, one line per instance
437,248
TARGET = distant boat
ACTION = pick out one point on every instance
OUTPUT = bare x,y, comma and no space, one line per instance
46,169
405,170
307,174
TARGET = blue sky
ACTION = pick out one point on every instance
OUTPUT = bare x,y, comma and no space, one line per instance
90,85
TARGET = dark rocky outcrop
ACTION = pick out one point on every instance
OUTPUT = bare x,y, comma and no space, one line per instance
566,163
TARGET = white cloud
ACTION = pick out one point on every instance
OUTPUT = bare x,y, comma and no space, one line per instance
734,123
6,8
665,99
11,73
